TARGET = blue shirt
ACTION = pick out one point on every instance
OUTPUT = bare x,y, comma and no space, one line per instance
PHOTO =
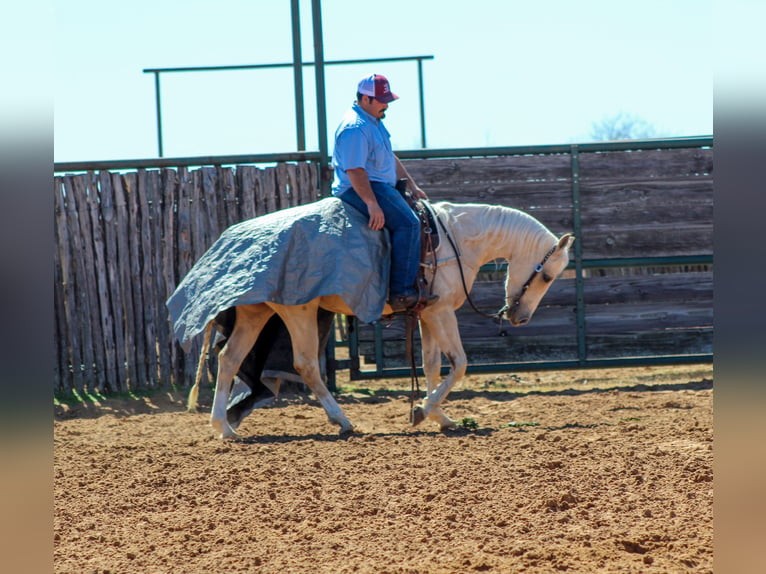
362,141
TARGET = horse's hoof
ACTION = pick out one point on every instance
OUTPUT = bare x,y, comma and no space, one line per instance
417,416
450,426
223,429
347,431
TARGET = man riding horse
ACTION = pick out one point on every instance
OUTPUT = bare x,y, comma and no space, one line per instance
366,173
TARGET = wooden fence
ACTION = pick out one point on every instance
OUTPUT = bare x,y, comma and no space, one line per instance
124,241
632,205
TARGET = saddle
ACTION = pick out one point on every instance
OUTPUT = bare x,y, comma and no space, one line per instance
429,235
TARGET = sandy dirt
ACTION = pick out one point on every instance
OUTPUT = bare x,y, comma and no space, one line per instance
573,471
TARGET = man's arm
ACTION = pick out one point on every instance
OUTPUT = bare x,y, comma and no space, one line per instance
361,184
401,172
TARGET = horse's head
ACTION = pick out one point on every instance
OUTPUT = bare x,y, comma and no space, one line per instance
525,285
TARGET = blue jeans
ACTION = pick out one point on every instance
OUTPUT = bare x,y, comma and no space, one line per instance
403,226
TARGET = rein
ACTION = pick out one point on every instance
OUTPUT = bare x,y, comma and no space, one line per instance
498,315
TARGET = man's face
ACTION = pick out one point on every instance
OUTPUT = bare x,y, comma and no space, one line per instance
375,108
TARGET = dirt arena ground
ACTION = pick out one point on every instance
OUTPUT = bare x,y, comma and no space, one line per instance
572,471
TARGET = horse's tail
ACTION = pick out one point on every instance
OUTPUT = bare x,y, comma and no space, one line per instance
191,402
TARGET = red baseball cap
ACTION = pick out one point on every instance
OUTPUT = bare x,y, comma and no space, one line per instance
377,86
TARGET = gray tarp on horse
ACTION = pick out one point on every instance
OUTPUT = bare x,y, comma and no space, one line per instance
289,257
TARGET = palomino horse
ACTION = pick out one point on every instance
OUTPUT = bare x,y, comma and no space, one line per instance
480,233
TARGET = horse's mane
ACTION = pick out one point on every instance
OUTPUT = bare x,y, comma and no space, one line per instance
507,224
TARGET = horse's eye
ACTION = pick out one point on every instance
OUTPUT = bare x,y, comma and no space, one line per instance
547,278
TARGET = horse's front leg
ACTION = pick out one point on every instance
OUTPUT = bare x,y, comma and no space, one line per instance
250,320
301,322
432,362
442,334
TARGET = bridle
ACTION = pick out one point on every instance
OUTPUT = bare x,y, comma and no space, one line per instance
509,304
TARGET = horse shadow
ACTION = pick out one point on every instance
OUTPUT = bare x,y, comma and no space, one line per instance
388,395
359,436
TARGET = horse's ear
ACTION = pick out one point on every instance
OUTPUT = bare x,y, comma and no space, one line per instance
566,241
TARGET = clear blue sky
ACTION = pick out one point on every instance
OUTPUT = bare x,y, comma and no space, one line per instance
504,72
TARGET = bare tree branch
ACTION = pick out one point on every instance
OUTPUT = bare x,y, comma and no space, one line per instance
621,126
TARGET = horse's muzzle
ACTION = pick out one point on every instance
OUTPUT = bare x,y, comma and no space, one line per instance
515,320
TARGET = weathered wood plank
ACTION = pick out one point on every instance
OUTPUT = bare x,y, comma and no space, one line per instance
282,186
155,200
489,171
130,185
199,211
668,163
246,176
110,219
185,251
269,190
488,351
96,203
302,191
231,195
313,170
648,241
542,195
260,193
94,271
216,219
127,320
613,304
170,193
185,257
689,342
292,183
148,316
648,219
72,371
61,378
85,288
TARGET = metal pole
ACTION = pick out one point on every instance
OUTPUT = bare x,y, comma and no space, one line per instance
582,350
159,111
324,183
300,120
422,105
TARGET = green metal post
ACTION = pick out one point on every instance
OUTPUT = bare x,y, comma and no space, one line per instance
324,182
159,112
422,105
353,348
379,348
582,352
300,121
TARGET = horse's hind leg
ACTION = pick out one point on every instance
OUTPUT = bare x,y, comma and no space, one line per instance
250,320
301,322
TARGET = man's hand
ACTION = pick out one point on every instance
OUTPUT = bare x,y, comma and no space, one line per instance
361,184
418,193
377,219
